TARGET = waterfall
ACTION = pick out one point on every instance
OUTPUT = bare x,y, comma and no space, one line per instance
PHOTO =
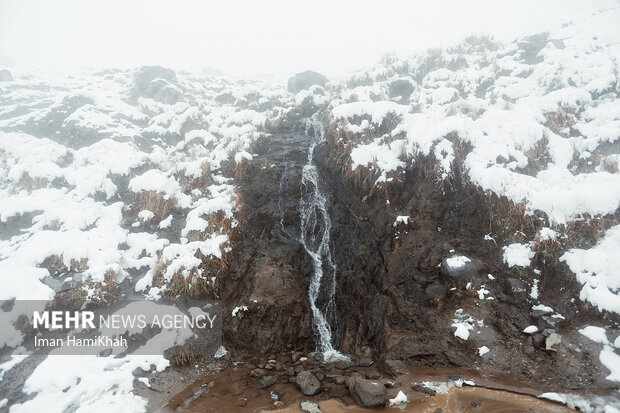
316,239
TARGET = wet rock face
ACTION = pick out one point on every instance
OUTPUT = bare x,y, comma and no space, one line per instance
5,75
304,80
270,271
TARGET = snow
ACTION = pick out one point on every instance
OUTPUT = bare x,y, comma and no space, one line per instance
483,350
596,334
457,261
463,323
597,270
530,329
519,255
236,310
221,352
75,163
611,361
401,219
401,398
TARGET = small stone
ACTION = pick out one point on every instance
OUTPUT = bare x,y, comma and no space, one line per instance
364,362
267,381
257,373
211,384
423,389
290,371
553,340
303,359
242,401
309,407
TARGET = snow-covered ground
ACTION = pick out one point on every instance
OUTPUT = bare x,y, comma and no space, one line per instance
112,177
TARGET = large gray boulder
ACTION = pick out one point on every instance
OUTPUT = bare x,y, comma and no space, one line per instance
367,393
305,80
5,75
307,383
460,270
158,83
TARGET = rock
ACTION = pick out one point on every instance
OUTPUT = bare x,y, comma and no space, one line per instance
257,373
336,390
512,286
538,340
390,384
267,381
158,83
307,383
397,367
305,80
401,87
435,291
552,340
309,407
420,388
290,371
242,401
303,359
460,271
364,362
340,380
367,393
5,75
211,384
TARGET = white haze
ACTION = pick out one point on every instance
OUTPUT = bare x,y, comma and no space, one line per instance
275,37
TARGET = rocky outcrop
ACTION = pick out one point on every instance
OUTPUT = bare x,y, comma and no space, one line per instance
5,75
305,80
158,83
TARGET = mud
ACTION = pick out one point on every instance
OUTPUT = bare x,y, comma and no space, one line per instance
232,391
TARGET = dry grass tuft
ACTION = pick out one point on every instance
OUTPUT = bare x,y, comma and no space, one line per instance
155,202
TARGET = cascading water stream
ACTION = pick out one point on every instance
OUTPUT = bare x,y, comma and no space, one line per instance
316,239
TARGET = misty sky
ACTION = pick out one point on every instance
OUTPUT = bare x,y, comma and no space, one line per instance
256,37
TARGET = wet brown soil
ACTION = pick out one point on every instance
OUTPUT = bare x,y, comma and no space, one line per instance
234,391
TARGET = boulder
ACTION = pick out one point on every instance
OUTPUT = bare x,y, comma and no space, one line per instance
5,76
367,393
305,80
307,383
158,83
460,270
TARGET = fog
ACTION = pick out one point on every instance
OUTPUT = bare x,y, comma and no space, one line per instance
250,38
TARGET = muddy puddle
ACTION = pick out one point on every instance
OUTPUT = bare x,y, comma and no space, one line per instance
233,390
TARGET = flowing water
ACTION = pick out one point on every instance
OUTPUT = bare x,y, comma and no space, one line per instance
315,237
